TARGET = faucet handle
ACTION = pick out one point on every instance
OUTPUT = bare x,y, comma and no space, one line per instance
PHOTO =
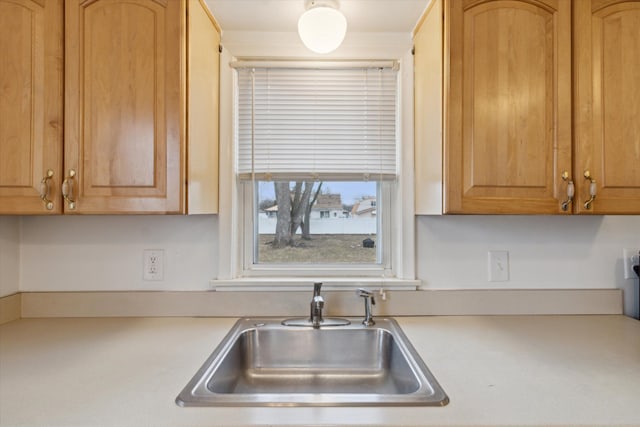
316,289
364,293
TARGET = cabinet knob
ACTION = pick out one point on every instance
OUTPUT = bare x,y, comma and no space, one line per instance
67,189
592,189
44,189
571,190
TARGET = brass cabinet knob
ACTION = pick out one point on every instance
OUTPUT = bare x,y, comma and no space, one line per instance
67,189
44,190
592,189
571,191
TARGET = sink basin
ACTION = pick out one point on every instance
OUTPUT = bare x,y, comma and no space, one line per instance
264,363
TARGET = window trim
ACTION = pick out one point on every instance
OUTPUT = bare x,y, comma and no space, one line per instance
229,275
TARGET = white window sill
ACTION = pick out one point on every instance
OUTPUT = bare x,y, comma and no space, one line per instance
306,283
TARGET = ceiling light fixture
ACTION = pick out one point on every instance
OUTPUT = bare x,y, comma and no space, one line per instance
322,27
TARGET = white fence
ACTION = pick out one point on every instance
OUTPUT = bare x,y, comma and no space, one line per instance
327,225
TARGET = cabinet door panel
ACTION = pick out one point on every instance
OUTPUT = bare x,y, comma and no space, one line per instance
120,115
608,100
509,130
124,110
30,104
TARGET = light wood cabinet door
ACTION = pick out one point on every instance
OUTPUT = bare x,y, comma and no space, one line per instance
607,104
508,118
31,120
124,106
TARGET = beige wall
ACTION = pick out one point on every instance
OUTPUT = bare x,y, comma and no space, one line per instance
65,253
545,252
105,252
91,253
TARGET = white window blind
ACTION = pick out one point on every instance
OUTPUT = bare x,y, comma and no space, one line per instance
327,124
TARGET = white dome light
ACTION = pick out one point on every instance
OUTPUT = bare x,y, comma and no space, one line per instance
322,28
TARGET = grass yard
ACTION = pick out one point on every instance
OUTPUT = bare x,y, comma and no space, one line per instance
326,248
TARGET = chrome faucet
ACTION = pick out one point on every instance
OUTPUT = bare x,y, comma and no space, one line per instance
317,304
368,301
315,318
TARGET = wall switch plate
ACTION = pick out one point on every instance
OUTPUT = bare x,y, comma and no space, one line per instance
498,266
153,264
630,258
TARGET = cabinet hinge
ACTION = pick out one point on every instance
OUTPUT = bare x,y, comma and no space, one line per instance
413,50
219,48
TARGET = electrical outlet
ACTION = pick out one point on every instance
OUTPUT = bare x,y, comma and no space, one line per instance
153,264
630,258
498,266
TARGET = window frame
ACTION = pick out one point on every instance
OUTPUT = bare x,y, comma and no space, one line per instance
230,275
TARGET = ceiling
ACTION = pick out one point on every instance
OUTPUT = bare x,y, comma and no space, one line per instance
363,16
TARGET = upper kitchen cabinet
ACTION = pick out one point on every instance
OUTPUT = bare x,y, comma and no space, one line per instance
141,85
131,144
506,107
607,104
508,120
31,119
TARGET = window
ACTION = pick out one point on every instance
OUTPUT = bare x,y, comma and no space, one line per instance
325,231
316,167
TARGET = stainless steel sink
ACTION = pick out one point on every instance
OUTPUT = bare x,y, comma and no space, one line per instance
264,363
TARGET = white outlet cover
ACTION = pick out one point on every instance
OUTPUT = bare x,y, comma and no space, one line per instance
153,265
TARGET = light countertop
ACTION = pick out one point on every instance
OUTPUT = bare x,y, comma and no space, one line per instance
509,370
